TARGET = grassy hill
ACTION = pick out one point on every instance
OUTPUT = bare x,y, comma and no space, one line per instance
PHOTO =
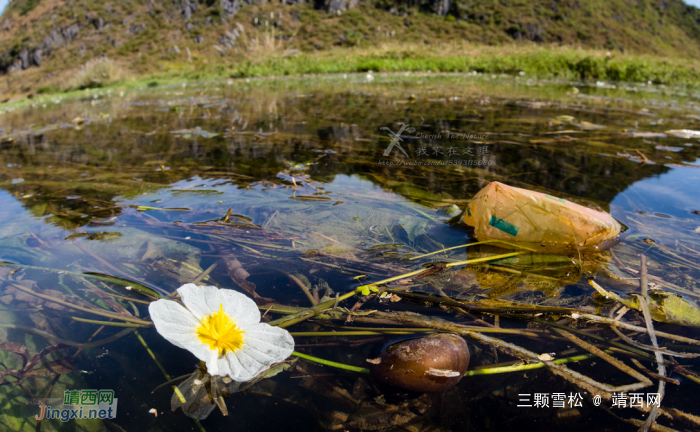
55,45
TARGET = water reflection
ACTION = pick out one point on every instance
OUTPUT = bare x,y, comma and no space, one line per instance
139,188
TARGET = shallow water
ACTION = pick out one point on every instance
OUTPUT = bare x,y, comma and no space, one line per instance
300,165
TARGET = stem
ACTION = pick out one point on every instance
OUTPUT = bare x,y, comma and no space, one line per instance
120,281
330,363
103,261
172,381
160,366
108,323
50,337
145,208
304,288
379,331
356,333
613,322
662,350
473,244
695,379
643,380
596,337
153,356
129,298
523,367
512,307
458,263
80,308
310,312
391,279
281,309
643,302
204,274
383,329
485,259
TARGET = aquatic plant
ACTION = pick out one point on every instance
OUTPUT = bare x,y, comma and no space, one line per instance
222,328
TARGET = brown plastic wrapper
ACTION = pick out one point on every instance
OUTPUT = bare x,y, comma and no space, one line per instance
544,222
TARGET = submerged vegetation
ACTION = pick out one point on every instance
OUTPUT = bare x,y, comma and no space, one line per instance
110,203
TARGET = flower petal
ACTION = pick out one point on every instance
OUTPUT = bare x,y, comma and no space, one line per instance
263,346
200,300
205,300
215,364
241,308
178,326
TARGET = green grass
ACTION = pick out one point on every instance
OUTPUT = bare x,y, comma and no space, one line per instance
646,43
538,62
542,64
534,62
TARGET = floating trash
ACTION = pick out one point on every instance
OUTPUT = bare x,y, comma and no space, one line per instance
427,365
502,212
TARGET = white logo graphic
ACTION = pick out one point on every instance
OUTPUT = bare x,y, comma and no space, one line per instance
396,137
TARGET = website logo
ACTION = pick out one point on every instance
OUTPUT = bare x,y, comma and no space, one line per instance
396,137
81,404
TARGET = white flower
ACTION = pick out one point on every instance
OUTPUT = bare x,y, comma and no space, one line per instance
222,328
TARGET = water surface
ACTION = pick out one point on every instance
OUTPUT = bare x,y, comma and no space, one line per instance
136,185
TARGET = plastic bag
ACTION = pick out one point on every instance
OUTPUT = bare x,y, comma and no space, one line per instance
544,222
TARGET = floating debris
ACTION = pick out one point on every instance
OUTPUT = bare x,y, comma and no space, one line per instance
428,364
502,212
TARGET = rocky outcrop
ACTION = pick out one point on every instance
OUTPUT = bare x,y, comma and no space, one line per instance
529,31
99,23
54,40
29,57
188,8
16,66
71,32
336,6
36,57
24,58
136,29
230,7
442,7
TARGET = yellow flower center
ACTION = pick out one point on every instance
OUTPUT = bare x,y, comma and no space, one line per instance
220,332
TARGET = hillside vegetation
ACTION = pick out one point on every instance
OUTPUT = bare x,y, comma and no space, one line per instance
56,45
